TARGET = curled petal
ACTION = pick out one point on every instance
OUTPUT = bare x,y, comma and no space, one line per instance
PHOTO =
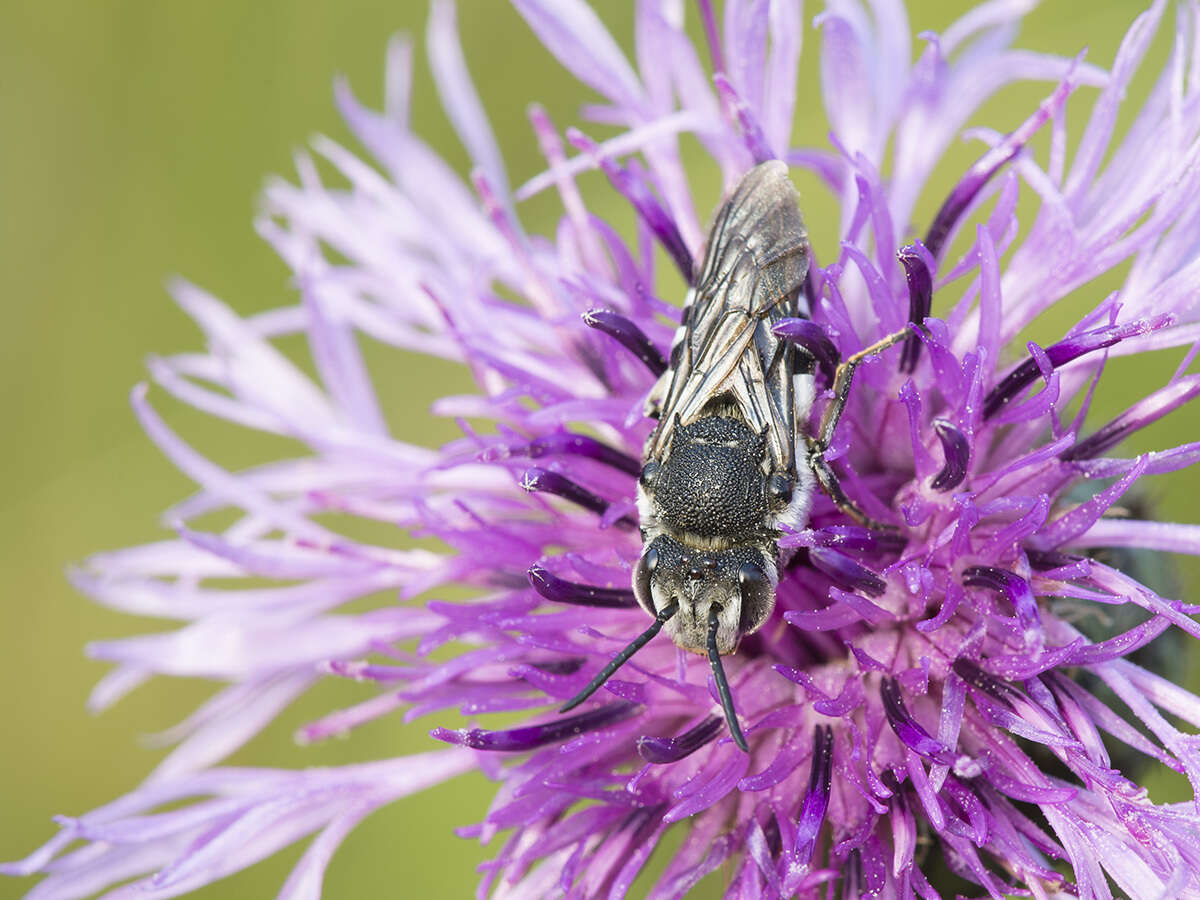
957,450
629,336
669,750
812,338
1016,589
917,272
907,728
560,590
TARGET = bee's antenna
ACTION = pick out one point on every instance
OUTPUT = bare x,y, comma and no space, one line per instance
623,657
722,683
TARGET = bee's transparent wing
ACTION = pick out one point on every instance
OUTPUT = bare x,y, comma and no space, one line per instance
727,356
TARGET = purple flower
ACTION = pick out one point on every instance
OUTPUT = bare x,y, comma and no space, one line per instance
914,687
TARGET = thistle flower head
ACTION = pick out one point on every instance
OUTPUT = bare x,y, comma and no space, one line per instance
920,693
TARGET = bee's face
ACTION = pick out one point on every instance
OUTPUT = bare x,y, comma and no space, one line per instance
739,583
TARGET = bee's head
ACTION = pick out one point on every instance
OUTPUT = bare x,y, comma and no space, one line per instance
738,583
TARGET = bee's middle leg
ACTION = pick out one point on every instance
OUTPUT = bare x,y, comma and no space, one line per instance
817,446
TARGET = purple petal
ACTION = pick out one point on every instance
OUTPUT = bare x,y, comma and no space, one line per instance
816,800
1066,350
669,750
703,792
1014,587
989,164
957,450
975,677
1168,537
748,125
1138,416
559,590
629,336
712,37
566,443
458,96
745,42
907,728
846,572
811,337
541,480
917,272
529,737
573,32
633,187
1076,521
306,878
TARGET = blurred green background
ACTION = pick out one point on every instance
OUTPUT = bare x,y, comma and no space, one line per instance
137,135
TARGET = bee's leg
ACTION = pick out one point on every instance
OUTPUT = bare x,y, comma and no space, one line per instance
829,419
828,480
841,386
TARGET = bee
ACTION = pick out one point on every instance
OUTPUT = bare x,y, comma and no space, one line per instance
728,466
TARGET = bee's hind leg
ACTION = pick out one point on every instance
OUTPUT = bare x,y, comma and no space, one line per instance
828,480
817,446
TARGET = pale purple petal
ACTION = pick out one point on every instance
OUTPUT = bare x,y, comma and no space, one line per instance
458,94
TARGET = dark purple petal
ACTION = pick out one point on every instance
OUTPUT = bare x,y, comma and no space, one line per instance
556,666
957,449
920,298
547,482
907,728
1065,351
816,801
1048,560
975,677
846,572
856,537
530,737
988,165
669,750
567,443
1013,586
1138,416
811,337
633,187
560,590
628,335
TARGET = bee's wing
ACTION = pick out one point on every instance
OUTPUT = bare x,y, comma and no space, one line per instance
726,354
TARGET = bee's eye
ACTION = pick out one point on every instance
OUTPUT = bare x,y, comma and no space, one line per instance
641,580
649,473
780,489
758,596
